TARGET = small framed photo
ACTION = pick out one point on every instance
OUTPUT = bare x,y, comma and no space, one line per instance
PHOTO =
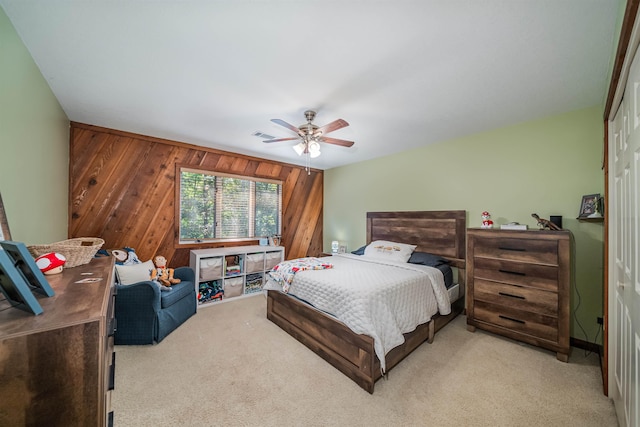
27,267
590,206
14,287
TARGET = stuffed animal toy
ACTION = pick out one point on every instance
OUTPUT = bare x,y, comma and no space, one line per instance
126,256
51,263
161,273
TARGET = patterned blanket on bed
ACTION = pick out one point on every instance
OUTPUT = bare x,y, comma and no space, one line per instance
284,272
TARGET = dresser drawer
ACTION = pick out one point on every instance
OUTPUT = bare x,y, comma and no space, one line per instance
537,325
519,297
527,250
516,273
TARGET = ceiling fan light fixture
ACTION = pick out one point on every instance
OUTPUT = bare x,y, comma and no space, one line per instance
314,149
299,148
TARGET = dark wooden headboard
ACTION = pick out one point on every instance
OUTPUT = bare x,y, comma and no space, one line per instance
437,232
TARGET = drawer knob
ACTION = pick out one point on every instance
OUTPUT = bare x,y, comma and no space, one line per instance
511,318
504,294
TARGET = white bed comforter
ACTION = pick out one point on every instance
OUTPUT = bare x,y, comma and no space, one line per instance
380,299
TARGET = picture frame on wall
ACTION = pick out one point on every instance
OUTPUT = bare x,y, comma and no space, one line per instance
5,234
590,206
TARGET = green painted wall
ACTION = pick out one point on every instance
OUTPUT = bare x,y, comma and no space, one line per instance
544,166
34,146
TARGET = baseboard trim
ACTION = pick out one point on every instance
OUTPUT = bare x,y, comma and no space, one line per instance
586,345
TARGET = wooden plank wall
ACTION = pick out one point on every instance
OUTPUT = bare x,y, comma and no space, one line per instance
122,189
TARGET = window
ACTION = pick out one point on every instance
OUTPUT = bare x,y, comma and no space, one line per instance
220,206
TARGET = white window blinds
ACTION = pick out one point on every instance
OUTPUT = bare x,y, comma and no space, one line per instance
218,206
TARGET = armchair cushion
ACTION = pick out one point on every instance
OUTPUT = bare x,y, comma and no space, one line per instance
177,292
134,273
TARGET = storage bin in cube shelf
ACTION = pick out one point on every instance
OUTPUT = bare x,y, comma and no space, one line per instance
272,259
233,287
254,262
253,283
210,268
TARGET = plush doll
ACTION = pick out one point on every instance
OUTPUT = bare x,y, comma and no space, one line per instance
161,273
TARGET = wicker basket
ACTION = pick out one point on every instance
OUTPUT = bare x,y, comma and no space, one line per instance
77,251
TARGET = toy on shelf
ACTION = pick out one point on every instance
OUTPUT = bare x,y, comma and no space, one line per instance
210,291
486,220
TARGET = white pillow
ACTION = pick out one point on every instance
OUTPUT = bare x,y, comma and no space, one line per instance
389,251
131,274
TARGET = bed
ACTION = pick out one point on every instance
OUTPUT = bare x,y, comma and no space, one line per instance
437,232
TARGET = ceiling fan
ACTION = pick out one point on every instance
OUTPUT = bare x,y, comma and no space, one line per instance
311,135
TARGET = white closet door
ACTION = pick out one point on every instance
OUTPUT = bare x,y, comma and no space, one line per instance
624,280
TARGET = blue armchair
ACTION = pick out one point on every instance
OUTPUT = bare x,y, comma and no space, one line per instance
145,315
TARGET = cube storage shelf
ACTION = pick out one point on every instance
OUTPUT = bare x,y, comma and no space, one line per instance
224,273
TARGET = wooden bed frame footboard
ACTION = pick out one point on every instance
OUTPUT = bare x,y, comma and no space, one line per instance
438,232
351,354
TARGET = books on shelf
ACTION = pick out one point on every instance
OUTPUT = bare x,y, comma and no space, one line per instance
233,269
513,226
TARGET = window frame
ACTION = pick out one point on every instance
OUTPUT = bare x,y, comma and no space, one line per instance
179,242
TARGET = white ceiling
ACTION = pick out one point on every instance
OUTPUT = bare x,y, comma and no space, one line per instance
403,73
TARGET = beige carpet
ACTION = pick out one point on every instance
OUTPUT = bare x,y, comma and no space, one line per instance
229,366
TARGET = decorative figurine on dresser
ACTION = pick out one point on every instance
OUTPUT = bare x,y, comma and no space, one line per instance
545,223
518,286
486,220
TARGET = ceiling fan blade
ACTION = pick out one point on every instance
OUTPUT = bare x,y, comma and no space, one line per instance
330,127
287,125
281,139
336,141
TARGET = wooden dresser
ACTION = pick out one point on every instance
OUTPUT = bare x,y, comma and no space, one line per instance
57,368
518,286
